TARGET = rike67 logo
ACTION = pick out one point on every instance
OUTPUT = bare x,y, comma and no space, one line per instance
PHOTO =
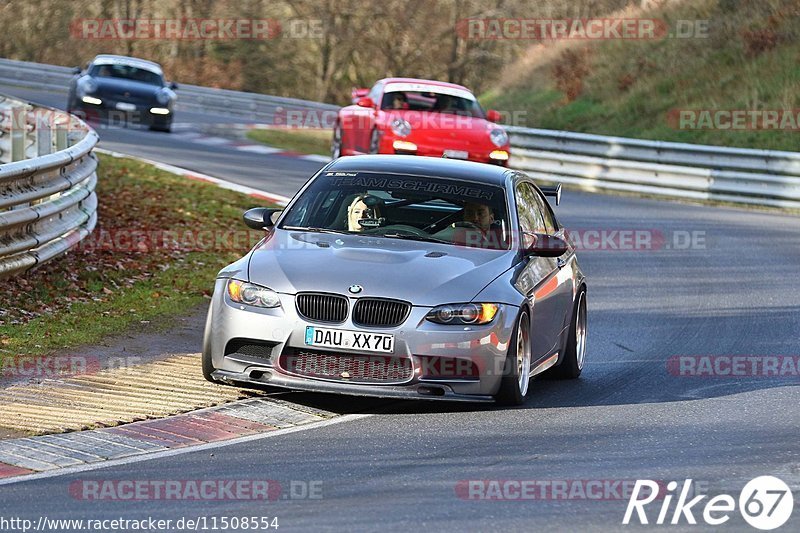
765,503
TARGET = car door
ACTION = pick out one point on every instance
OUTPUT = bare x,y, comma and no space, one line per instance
564,291
541,278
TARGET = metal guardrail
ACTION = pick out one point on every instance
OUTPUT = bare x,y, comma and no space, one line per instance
699,172
591,162
47,184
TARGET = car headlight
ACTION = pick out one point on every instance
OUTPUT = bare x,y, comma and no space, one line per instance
498,137
162,97
401,127
459,314
86,87
249,294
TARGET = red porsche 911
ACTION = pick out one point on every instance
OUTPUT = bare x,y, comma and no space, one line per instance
419,117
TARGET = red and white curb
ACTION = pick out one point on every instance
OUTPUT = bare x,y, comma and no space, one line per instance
57,454
48,455
198,176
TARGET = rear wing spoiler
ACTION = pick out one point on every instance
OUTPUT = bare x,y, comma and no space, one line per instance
553,191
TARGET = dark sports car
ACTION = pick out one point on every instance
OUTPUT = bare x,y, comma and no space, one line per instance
123,89
402,276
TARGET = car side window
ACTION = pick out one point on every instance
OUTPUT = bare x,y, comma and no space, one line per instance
547,215
528,209
375,92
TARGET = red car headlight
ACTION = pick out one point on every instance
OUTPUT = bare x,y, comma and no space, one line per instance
498,137
401,127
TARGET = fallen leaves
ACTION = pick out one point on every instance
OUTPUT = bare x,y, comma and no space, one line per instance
133,197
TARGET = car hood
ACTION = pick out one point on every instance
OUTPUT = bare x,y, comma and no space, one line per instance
426,274
116,87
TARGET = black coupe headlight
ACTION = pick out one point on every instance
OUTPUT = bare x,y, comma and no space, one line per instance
86,86
463,314
162,98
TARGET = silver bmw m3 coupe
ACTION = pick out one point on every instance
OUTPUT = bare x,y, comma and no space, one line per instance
403,276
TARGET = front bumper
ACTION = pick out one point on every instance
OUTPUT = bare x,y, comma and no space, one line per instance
107,112
281,331
426,147
420,391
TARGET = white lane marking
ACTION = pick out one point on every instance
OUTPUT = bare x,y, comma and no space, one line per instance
187,135
258,149
315,157
625,361
224,184
178,451
212,141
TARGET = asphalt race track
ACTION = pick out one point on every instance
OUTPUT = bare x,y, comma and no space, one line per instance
716,282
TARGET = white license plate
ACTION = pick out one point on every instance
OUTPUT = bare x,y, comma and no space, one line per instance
125,106
354,340
456,154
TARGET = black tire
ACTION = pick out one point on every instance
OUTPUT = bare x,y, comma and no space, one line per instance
208,368
336,143
574,353
166,128
510,393
374,141
208,364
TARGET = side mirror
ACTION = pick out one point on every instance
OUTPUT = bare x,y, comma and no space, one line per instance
543,245
366,101
493,116
76,70
173,86
260,217
358,93
553,192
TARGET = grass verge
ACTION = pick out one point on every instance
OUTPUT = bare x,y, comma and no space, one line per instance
159,242
746,60
304,141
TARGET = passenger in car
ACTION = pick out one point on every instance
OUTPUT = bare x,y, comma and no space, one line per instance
358,209
396,100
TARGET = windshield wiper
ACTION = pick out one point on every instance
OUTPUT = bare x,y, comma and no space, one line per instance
317,230
412,237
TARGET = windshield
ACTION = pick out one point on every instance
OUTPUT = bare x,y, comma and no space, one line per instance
405,207
431,101
126,72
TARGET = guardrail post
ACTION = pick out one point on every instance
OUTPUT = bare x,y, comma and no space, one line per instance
61,137
44,137
18,127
